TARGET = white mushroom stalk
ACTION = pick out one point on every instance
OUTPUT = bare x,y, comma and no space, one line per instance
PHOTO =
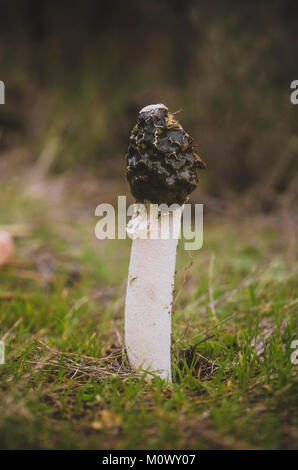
161,170
148,308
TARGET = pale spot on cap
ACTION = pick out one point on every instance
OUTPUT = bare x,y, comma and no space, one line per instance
152,107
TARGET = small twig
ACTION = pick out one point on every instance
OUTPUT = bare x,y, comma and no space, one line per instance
119,336
33,275
8,332
217,325
12,296
178,111
210,287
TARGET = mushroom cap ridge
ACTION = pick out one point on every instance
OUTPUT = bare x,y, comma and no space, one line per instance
161,164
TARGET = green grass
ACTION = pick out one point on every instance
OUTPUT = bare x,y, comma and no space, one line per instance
66,383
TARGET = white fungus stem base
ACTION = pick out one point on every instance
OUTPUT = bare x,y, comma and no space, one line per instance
148,308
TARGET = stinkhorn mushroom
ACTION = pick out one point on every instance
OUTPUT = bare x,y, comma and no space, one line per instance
161,169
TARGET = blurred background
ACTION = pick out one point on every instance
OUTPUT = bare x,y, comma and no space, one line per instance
77,73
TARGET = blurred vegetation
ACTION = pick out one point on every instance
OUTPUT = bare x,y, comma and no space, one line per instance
66,383
77,73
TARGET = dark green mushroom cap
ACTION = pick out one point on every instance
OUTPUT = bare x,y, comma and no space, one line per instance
161,164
